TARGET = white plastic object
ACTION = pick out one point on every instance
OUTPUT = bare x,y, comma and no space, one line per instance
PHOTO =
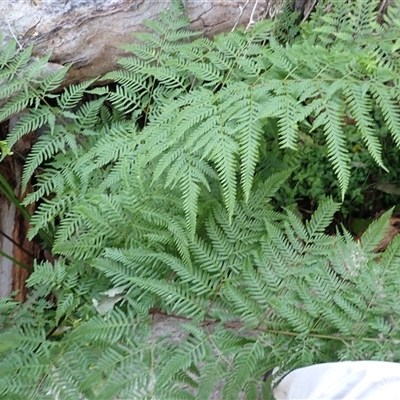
347,380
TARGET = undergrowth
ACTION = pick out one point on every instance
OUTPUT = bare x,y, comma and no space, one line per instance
160,195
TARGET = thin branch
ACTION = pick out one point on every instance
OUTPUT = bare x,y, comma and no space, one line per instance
251,21
16,244
241,9
12,33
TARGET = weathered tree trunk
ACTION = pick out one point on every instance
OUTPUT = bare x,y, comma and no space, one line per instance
87,32
14,228
13,275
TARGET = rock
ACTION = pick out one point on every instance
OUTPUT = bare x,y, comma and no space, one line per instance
88,32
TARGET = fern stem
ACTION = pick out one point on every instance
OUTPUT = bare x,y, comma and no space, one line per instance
330,337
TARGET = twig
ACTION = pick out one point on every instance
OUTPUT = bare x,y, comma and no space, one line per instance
16,244
308,12
381,9
13,35
251,22
241,9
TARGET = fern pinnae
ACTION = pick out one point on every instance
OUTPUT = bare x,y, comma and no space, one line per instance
241,304
210,376
205,256
248,130
256,288
375,232
391,254
88,114
292,234
281,244
337,151
48,211
226,165
20,60
69,226
193,351
322,217
28,123
296,226
45,148
174,295
53,80
8,51
73,94
360,107
287,120
10,88
389,109
18,103
245,366
190,192
216,236
200,281
124,99
51,181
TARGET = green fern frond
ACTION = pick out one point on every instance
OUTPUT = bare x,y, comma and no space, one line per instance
73,94
245,366
226,165
88,114
360,106
45,148
248,131
8,51
53,80
49,210
28,123
337,151
157,190
190,191
322,217
389,107
192,352
375,233
176,296
18,103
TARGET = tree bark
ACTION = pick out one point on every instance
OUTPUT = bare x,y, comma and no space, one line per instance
88,33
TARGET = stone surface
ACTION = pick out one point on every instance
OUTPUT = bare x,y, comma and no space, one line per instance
88,32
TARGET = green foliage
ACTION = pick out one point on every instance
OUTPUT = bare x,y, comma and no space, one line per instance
158,193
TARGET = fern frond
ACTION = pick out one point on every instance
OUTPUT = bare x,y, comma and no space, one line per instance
375,232
360,106
18,103
322,217
88,114
245,366
211,374
45,148
390,110
190,191
48,211
337,151
53,80
193,351
73,94
248,130
176,296
8,51
226,164
28,123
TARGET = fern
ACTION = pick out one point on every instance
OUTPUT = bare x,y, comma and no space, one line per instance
152,189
